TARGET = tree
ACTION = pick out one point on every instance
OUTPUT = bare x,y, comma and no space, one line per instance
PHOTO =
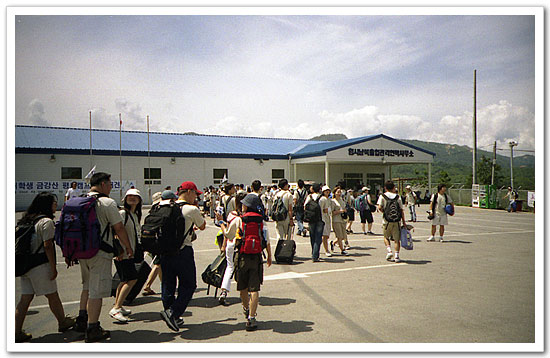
444,178
484,171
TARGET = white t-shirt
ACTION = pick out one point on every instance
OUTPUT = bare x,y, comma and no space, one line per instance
107,214
72,193
411,198
440,205
231,230
225,200
325,203
287,198
192,216
44,230
382,202
133,228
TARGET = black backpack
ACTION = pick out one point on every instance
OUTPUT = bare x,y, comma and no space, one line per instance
280,212
392,212
312,211
163,230
300,201
24,258
515,194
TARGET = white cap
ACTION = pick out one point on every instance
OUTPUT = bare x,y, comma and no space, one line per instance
325,187
132,192
408,187
365,188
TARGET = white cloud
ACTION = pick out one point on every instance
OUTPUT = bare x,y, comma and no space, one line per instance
37,113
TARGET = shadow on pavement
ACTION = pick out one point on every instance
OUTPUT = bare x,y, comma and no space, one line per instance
360,248
416,262
335,261
457,241
143,300
31,313
141,336
274,301
216,329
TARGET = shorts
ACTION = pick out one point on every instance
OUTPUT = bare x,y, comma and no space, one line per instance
326,229
366,216
440,220
96,276
392,231
37,281
351,215
340,230
126,270
249,275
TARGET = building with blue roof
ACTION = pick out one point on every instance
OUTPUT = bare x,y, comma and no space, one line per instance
49,158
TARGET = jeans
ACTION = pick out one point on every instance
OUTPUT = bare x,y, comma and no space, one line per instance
412,209
316,237
178,269
300,221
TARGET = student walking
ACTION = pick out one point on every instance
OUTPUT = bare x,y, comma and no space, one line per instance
155,270
179,269
313,215
410,201
96,271
126,268
230,230
338,208
350,203
227,199
512,196
283,211
390,204
249,274
41,279
73,192
326,206
300,196
439,209
363,205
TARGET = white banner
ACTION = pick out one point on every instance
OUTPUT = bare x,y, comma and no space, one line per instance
531,199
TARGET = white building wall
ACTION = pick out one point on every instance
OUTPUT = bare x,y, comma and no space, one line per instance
38,167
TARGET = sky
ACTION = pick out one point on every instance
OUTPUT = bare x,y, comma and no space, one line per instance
409,77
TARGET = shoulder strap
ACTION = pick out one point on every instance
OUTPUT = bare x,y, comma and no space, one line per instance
192,224
434,203
36,220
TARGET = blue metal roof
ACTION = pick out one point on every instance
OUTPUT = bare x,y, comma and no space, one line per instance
34,139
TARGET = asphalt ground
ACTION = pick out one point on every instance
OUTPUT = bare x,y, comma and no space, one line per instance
478,286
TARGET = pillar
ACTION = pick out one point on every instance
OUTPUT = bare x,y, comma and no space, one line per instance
294,172
430,177
326,173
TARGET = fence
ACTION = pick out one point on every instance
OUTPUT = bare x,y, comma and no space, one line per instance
463,196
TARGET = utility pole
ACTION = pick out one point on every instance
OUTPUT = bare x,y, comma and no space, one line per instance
120,156
474,154
512,145
148,158
494,163
91,155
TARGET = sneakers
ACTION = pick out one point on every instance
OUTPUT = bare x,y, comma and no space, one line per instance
222,298
431,238
251,324
389,256
329,254
116,313
125,312
81,324
364,233
22,337
96,334
246,312
441,239
317,260
179,322
345,253
169,319
397,260
67,323
370,233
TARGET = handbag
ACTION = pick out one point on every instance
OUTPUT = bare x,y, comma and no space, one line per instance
344,215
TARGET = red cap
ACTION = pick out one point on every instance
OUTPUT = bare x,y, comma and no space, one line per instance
189,185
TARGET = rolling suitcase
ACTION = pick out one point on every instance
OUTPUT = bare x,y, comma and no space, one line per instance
143,269
286,249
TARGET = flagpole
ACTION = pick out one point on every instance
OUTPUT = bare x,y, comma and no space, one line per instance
149,156
120,156
91,154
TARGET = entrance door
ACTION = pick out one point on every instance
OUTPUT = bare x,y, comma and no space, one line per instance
353,180
376,182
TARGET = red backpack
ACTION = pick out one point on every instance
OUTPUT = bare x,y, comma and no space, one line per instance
253,225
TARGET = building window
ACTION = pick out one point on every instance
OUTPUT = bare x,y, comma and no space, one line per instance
219,174
353,180
71,173
151,176
276,175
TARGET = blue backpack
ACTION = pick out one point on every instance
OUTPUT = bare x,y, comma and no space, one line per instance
360,204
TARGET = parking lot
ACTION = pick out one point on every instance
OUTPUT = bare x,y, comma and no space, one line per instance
478,286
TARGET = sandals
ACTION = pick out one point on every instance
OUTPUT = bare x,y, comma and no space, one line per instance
148,292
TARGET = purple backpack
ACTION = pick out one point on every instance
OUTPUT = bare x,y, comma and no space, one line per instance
78,231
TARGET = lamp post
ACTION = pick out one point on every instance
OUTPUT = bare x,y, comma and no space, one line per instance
512,144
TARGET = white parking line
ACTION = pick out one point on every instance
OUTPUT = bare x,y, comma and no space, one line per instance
46,306
293,275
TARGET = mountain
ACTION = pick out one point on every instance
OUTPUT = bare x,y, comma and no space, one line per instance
330,137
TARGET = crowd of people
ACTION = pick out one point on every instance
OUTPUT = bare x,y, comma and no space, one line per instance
317,210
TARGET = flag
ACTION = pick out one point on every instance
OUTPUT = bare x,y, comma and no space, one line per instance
89,175
224,180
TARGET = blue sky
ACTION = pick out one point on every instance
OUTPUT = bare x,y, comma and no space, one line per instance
281,76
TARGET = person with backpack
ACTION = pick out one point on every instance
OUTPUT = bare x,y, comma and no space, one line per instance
512,196
230,229
155,270
96,271
227,199
313,216
440,204
339,215
126,268
410,201
390,204
178,267
248,261
300,196
350,209
364,205
282,210
35,254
